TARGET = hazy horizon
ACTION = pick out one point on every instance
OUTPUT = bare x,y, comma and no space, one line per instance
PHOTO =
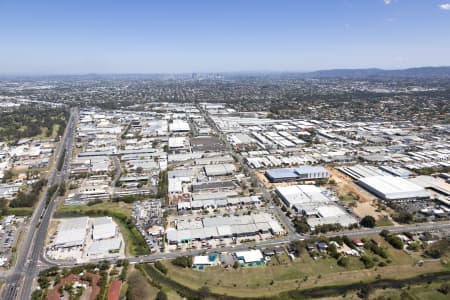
175,37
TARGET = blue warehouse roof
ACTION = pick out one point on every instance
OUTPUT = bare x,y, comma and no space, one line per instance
281,173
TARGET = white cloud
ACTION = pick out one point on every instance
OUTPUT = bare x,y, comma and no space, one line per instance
387,2
444,6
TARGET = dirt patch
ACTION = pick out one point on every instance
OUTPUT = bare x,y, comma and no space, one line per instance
367,208
262,178
51,230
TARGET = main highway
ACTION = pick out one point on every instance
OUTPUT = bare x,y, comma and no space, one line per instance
30,253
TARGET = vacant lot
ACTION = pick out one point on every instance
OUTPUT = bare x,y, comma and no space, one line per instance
119,207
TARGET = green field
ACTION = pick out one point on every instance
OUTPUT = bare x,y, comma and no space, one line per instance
282,274
117,207
44,131
415,292
20,211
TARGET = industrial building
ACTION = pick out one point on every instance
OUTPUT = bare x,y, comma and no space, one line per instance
331,214
223,227
71,233
85,238
312,203
178,125
298,196
103,228
296,174
393,188
219,169
104,247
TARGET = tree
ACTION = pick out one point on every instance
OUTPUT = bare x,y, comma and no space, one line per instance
368,221
439,248
403,217
161,296
343,261
444,288
204,292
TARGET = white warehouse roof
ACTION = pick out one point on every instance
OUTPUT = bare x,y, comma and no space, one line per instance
218,170
250,256
301,194
103,247
71,232
103,228
179,125
393,188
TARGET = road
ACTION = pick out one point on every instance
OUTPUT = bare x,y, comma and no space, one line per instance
30,254
285,221
280,242
291,233
31,258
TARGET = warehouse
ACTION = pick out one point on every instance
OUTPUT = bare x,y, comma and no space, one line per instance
222,200
178,143
297,174
359,171
297,196
71,233
219,170
310,201
222,227
103,228
393,188
104,247
331,214
179,126
213,186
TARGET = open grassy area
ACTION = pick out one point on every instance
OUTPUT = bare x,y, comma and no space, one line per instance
118,207
44,131
415,292
282,274
384,221
20,211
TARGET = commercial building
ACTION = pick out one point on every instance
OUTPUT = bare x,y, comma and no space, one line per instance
331,214
393,188
312,203
298,196
104,247
250,256
71,233
223,227
103,228
219,170
178,125
297,174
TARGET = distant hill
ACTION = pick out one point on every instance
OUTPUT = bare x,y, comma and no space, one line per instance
373,72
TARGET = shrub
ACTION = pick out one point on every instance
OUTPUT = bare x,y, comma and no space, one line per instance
161,267
343,261
368,221
367,261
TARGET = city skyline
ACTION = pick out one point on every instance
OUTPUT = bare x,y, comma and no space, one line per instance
50,37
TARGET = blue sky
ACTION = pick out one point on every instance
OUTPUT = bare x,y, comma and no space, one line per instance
82,36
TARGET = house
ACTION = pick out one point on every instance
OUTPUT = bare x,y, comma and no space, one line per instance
322,246
250,257
358,243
